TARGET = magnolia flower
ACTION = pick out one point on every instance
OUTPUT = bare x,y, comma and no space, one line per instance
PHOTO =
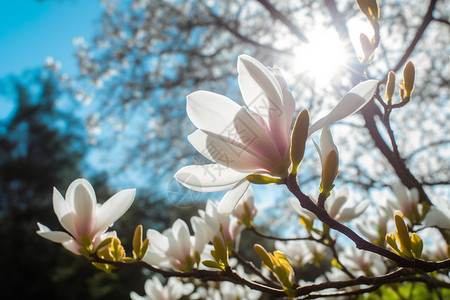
439,215
222,226
173,290
407,201
84,219
375,227
251,139
245,210
296,252
175,247
334,206
362,263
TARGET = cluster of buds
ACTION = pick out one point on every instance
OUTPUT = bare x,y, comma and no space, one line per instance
220,255
280,267
112,250
406,87
409,246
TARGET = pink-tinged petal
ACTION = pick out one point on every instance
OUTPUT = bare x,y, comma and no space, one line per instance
256,83
84,212
70,193
113,209
352,102
263,95
208,178
211,112
54,236
227,154
232,197
72,246
181,234
349,213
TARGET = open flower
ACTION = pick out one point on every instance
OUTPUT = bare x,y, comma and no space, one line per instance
173,290
85,221
175,247
334,207
251,139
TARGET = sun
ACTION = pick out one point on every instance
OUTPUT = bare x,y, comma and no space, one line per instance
322,57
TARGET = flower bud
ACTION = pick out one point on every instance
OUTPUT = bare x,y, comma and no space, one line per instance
409,74
298,139
390,86
417,245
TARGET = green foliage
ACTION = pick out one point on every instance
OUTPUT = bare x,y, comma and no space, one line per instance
410,290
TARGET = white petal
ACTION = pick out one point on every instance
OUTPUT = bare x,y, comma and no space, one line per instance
113,209
72,246
232,197
334,205
70,193
63,213
84,207
255,82
157,240
263,95
208,178
135,296
349,213
352,102
326,142
54,236
211,112
227,154
299,210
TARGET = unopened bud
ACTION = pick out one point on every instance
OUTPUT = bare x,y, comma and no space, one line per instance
402,234
409,74
417,245
330,171
298,139
390,86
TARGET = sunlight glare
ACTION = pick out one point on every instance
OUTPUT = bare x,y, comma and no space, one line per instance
322,57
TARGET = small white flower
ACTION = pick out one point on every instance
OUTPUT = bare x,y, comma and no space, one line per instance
173,290
175,247
439,215
81,216
407,201
334,205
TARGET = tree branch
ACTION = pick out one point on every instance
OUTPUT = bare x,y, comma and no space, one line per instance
276,14
322,215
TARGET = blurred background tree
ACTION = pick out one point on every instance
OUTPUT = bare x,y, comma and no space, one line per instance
148,55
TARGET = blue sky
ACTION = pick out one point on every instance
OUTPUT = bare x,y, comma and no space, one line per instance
32,30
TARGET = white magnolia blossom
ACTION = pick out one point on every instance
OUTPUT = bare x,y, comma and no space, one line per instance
245,210
375,227
173,290
439,215
251,139
175,247
297,252
334,205
407,201
362,263
85,221
221,225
